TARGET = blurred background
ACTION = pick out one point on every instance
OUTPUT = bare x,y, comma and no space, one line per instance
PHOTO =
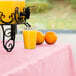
53,15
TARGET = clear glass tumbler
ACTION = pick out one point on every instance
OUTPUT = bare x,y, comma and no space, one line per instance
29,37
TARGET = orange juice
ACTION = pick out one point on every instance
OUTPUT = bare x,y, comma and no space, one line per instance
29,39
8,7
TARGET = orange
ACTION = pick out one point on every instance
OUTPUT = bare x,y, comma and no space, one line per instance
40,38
50,37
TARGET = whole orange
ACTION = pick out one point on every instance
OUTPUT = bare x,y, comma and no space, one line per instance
50,37
40,38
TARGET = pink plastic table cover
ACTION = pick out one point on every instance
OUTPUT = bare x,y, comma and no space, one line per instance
45,60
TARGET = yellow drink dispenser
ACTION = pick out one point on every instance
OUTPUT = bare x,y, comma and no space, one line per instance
7,7
12,12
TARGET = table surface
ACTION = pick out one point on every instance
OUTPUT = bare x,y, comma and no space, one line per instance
20,57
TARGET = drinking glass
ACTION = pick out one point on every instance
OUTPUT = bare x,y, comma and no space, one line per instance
29,37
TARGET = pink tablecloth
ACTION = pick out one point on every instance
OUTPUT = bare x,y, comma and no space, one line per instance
45,60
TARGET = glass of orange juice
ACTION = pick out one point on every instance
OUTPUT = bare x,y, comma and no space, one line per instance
29,36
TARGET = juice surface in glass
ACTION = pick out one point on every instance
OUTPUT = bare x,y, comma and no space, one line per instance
30,38
8,7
